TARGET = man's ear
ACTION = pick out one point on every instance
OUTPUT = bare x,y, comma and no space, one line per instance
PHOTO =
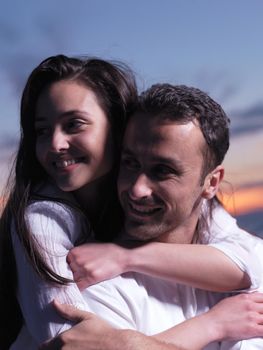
212,182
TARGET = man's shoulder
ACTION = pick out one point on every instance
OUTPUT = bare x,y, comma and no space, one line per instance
136,285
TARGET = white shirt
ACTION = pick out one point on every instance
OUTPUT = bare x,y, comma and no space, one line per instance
130,301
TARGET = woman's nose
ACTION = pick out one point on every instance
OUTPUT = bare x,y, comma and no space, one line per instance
59,141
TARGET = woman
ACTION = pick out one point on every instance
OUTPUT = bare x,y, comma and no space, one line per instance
73,115
109,91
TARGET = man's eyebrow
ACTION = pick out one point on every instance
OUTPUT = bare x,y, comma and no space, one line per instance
41,118
158,159
126,151
168,161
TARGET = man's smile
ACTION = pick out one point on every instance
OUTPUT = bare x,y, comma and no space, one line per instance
141,210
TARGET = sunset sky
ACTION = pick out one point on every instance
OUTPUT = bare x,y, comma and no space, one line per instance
213,45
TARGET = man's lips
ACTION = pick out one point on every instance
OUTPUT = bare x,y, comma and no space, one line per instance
142,210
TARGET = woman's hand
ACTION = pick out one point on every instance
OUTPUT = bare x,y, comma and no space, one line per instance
95,262
238,317
88,333
92,333
234,318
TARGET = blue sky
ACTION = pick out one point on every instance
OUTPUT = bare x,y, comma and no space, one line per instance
214,45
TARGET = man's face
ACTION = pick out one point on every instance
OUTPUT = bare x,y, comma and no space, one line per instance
159,182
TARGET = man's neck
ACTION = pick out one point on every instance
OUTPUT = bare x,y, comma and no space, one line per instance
185,234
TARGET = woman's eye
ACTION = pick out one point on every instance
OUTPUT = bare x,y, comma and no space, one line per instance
74,124
42,131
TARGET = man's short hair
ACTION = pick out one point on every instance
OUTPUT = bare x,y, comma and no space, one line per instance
183,104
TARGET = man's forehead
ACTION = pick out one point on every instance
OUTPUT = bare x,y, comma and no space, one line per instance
160,118
144,123
146,132
143,129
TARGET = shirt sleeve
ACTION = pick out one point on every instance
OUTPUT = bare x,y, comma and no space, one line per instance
243,248
248,344
113,301
56,228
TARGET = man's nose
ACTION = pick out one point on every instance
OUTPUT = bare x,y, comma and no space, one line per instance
59,141
140,188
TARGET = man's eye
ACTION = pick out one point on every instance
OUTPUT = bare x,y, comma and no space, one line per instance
162,171
129,163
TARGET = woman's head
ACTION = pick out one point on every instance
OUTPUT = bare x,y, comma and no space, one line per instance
74,143
56,94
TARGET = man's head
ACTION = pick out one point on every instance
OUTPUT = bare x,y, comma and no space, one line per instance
172,153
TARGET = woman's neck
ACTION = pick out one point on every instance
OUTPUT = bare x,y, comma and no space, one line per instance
92,197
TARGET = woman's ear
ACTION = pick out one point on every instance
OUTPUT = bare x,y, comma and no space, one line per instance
212,182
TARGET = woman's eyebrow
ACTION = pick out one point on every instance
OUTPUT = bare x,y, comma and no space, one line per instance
41,118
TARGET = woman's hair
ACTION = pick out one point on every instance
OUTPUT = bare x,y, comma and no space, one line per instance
114,86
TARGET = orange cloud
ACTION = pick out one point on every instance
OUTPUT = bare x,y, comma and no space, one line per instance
243,200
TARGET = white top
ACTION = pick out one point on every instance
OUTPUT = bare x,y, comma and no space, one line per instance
131,301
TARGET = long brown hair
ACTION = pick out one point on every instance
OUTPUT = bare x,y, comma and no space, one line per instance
115,87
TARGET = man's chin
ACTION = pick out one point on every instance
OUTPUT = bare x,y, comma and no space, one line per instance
140,232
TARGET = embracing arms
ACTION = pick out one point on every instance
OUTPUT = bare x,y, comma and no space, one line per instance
200,266
234,318
227,263
53,226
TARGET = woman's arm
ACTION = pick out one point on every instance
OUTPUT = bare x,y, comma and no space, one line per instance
200,266
234,318
92,333
228,262
55,227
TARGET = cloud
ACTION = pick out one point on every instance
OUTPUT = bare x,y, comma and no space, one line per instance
243,200
17,60
247,120
224,88
16,75
8,144
8,34
219,84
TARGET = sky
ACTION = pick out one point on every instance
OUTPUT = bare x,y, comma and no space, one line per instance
209,44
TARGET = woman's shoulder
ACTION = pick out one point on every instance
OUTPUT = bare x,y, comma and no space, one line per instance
49,191
47,198
52,209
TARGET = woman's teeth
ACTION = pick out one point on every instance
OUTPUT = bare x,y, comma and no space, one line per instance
65,163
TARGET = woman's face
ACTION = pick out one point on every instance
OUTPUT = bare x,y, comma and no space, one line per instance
73,137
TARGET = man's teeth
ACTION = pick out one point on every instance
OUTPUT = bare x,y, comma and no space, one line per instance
65,163
142,209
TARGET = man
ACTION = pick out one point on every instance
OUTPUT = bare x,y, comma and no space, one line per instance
171,163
